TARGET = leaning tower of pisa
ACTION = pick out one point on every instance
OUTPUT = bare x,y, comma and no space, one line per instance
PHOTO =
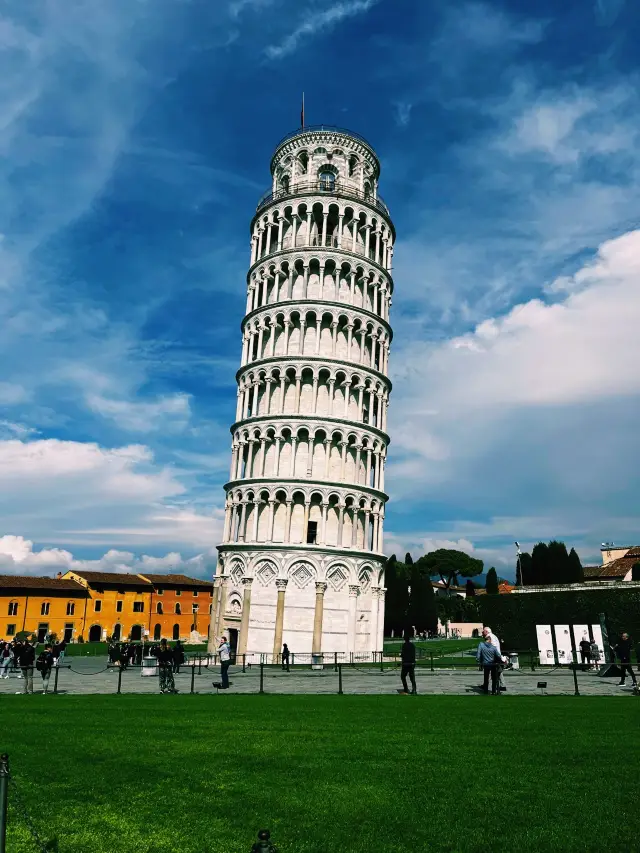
301,560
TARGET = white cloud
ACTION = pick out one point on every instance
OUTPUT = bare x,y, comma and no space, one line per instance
316,22
171,412
18,557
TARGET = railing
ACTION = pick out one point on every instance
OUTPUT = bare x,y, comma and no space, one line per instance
322,186
327,128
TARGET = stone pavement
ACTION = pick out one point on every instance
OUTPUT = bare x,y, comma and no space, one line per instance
88,676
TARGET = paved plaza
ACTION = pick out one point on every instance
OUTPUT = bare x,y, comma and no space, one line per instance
93,676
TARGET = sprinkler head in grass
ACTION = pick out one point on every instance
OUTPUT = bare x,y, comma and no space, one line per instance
264,843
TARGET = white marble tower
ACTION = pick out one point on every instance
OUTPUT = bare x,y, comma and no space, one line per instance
301,560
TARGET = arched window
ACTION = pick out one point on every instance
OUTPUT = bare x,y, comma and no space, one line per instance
303,162
177,610
176,632
284,184
44,608
367,189
353,162
327,180
157,631
159,608
13,608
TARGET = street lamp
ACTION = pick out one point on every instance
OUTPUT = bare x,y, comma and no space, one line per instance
518,563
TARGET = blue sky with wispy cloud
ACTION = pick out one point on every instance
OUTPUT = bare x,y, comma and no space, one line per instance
135,139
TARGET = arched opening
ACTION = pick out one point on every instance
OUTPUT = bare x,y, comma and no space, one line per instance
327,180
95,633
178,610
176,632
117,633
157,631
136,634
159,608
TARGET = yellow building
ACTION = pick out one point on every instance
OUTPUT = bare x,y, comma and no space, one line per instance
42,606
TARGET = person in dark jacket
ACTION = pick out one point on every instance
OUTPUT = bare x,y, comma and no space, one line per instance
44,665
408,657
623,650
489,659
27,659
178,656
585,652
165,668
285,657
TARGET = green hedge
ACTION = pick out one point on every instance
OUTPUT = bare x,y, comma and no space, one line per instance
514,617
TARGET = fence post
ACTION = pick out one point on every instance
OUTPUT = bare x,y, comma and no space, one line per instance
574,667
4,785
119,678
193,675
335,661
261,677
431,654
244,663
200,665
533,665
382,661
293,658
55,681
340,679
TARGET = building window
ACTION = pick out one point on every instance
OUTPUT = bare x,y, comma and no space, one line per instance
210,593
178,592
13,608
160,592
178,611
312,532
327,181
97,605
195,608
138,606
11,630
71,608
44,608
119,606
159,608
195,593
121,592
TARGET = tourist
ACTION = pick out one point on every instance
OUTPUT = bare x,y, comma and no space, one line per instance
178,656
165,667
58,653
131,654
225,662
27,656
489,659
285,657
5,659
44,665
585,652
408,658
487,632
623,650
15,657
139,652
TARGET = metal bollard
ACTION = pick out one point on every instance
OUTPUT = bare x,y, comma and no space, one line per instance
574,667
431,653
244,663
261,677
119,678
200,665
55,681
381,661
340,679
335,661
193,676
4,786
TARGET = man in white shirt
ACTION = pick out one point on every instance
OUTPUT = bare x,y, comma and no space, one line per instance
488,634
225,661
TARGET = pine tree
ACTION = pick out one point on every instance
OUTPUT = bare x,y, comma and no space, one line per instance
492,582
524,572
540,564
576,573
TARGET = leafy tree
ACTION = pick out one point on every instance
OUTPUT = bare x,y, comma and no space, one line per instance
635,572
447,564
576,573
471,588
492,582
540,570
397,598
524,571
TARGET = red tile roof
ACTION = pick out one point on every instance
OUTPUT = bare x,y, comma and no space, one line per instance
176,580
30,583
110,578
615,569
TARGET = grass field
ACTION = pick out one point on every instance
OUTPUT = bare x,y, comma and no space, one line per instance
201,774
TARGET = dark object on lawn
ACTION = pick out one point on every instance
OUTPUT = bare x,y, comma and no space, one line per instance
263,844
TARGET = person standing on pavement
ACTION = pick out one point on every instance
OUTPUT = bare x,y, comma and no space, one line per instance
164,656
285,657
487,632
623,650
408,658
27,660
489,658
178,656
44,665
585,652
5,659
225,662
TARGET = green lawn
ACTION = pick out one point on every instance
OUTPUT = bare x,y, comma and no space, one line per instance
327,774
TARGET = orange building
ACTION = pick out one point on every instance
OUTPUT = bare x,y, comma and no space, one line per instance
42,606
97,605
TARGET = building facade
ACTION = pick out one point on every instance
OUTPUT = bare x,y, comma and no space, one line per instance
301,560
41,606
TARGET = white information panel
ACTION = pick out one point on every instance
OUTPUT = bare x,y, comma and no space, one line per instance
597,639
563,644
545,644
580,632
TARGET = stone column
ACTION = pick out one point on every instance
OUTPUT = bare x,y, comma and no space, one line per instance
271,520
327,457
354,526
281,584
227,522
321,280
287,522
354,591
283,380
294,443
323,525
331,384
340,226
316,646
373,630
246,609
318,332
222,606
243,507
256,518
314,395
381,594
211,644
276,458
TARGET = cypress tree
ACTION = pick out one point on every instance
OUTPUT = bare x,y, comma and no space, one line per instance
524,572
559,566
540,564
576,573
471,589
492,582
430,607
391,583
635,572
408,559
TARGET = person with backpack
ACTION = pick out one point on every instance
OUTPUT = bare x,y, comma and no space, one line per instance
27,656
44,665
5,659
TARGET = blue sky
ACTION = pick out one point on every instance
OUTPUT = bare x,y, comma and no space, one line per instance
135,139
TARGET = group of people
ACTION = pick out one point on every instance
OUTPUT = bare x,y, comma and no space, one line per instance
489,657
20,656
131,654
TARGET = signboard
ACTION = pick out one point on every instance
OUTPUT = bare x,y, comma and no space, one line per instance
597,639
545,644
563,644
